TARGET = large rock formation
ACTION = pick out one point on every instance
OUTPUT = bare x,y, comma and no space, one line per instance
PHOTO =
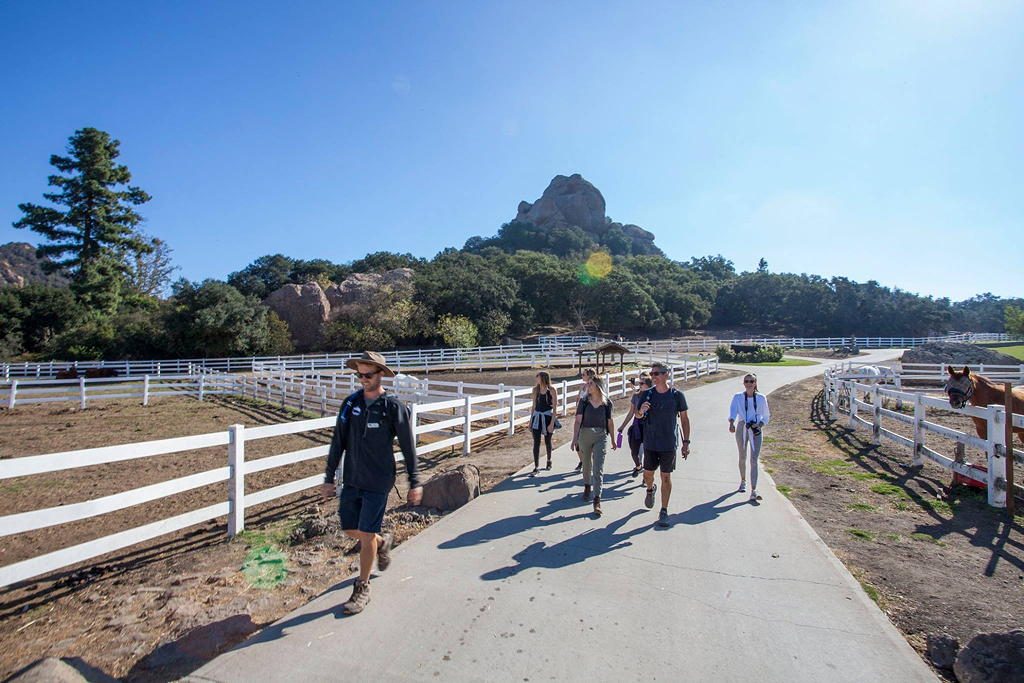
359,291
305,308
308,308
572,201
19,266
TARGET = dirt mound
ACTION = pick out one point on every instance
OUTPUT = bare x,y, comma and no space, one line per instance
957,354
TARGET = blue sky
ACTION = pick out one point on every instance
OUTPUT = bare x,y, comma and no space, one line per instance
873,140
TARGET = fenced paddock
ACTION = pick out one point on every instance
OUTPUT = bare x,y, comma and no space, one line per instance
551,351
848,399
450,423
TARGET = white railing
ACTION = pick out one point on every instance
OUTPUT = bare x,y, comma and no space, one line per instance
84,390
455,423
847,398
555,351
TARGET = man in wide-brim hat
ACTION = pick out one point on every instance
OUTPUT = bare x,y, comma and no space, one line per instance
368,423
370,358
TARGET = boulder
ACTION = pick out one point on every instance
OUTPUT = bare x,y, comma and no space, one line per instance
304,308
942,650
360,291
452,489
568,200
992,658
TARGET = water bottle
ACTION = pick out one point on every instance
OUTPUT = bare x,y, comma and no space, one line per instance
618,440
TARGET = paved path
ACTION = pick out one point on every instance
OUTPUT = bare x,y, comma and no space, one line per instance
525,585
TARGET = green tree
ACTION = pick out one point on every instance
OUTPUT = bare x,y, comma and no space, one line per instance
263,276
457,331
93,221
1014,320
383,261
458,283
149,274
213,319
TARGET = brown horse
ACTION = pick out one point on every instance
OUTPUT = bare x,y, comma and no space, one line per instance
965,387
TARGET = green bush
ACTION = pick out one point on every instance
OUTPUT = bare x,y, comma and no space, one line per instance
763,354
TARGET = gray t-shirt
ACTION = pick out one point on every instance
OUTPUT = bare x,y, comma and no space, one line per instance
661,423
595,418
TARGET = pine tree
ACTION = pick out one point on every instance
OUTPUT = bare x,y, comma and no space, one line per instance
96,226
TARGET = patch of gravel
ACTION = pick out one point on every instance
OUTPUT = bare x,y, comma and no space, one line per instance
957,354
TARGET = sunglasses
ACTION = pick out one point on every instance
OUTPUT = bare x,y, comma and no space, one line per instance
658,372
750,381
367,375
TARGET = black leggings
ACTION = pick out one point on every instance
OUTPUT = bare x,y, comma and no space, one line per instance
536,445
634,450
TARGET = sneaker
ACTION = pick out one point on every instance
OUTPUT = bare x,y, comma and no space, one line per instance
384,551
586,492
649,498
636,471
548,465
597,506
536,471
360,598
743,486
663,519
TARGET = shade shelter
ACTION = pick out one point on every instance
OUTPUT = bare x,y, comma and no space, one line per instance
601,353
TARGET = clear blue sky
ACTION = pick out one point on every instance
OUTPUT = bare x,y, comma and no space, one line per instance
873,140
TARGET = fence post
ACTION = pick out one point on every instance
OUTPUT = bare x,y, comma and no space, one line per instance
565,396
512,412
467,429
323,401
876,416
919,416
853,406
202,386
501,390
996,451
14,392
236,480
145,390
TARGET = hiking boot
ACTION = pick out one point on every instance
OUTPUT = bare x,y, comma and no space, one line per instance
384,551
360,598
649,498
597,506
663,519
586,492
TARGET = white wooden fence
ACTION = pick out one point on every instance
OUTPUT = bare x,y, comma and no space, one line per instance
554,351
83,390
497,412
848,398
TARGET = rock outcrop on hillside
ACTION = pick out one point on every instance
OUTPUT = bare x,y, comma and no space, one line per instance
19,266
308,308
572,201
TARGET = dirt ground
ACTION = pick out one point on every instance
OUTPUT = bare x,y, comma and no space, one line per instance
823,353
156,611
936,562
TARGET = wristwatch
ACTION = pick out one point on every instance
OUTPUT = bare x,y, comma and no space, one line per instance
686,441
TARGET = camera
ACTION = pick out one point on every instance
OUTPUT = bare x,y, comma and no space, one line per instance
754,427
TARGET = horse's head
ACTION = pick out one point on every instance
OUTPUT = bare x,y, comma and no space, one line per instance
959,387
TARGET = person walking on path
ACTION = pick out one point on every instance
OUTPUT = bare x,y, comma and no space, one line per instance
663,409
635,435
748,414
542,422
368,423
586,374
591,434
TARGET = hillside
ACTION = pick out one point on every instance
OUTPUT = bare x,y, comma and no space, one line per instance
19,267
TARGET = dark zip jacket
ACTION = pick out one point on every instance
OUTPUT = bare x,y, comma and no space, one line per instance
366,437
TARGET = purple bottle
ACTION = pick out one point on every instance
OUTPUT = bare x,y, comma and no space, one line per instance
618,440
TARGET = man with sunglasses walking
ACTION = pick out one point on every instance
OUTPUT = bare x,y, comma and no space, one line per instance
663,410
368,423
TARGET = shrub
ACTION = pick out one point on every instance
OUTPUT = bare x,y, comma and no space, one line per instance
763,354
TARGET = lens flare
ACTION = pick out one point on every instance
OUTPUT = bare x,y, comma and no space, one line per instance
597,267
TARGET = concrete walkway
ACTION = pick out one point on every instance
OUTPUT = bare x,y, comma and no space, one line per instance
524,584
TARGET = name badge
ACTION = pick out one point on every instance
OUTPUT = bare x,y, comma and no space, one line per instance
373,425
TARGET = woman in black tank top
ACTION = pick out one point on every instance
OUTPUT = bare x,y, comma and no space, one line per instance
542,420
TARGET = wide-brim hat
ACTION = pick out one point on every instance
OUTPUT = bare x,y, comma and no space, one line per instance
370,358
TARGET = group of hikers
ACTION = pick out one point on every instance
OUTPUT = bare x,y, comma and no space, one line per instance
657,430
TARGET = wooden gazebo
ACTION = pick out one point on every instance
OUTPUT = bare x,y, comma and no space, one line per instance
601,353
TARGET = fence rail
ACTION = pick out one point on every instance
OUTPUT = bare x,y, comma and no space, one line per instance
552,350
451,423
845,397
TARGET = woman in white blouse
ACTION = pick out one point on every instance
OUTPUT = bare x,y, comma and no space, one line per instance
748,414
